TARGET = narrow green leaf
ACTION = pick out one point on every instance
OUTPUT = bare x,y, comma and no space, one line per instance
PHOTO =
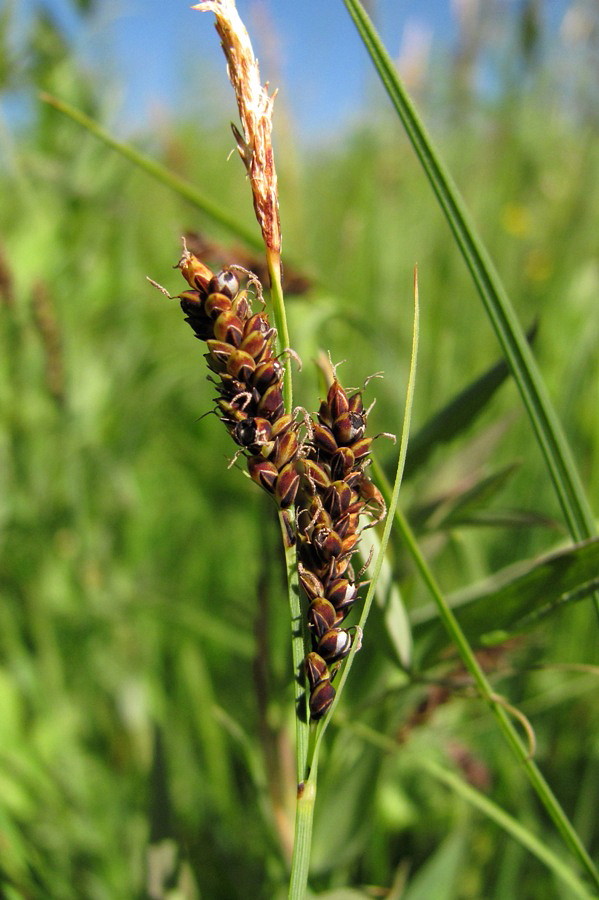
457,415
184,189
454,507
510,335
439,876
516,598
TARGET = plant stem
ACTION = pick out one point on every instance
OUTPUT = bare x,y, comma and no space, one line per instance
304,817
273,261
543,419
544,792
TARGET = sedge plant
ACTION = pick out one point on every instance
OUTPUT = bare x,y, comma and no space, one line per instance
315,468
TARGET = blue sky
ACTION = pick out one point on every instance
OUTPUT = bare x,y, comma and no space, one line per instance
156,57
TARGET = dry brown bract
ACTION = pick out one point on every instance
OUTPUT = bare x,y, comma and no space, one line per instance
255,111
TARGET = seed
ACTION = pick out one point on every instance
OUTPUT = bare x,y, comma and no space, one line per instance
321,699
263,472
271,404
323,438
316,474
240,365
316,669
337,400
285,449
216,304
334,644
287,485
225,282
220,352
321,616
349,427
228,328
311,585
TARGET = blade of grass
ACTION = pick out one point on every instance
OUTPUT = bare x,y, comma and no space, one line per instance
521,751
159,172
512,339
504,820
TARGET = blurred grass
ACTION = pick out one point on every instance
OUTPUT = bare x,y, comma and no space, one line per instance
144,667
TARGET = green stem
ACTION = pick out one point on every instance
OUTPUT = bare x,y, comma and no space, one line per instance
512,339
304,817
306,780
536,779
159,172
298,645
273,261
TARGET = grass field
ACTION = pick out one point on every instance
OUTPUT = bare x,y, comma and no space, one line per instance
146,711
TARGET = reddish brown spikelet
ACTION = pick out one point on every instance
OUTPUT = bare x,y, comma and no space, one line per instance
334,492
248,377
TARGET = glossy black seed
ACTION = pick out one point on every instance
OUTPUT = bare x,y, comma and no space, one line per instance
252,433
225,282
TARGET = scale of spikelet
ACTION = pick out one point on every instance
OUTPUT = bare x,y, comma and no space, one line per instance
247,375
335,492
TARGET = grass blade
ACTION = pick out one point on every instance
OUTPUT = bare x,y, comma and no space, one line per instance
516,599
512,339
181,187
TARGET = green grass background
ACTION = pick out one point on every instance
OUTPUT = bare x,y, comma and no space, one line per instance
146,719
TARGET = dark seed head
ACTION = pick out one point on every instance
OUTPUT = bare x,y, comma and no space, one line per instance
267,373
342,462
240,365
324,439
286,449
316,475
253,433
349,427
228,328
342,593
192,302
326,542
220,352
255,344
271,403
